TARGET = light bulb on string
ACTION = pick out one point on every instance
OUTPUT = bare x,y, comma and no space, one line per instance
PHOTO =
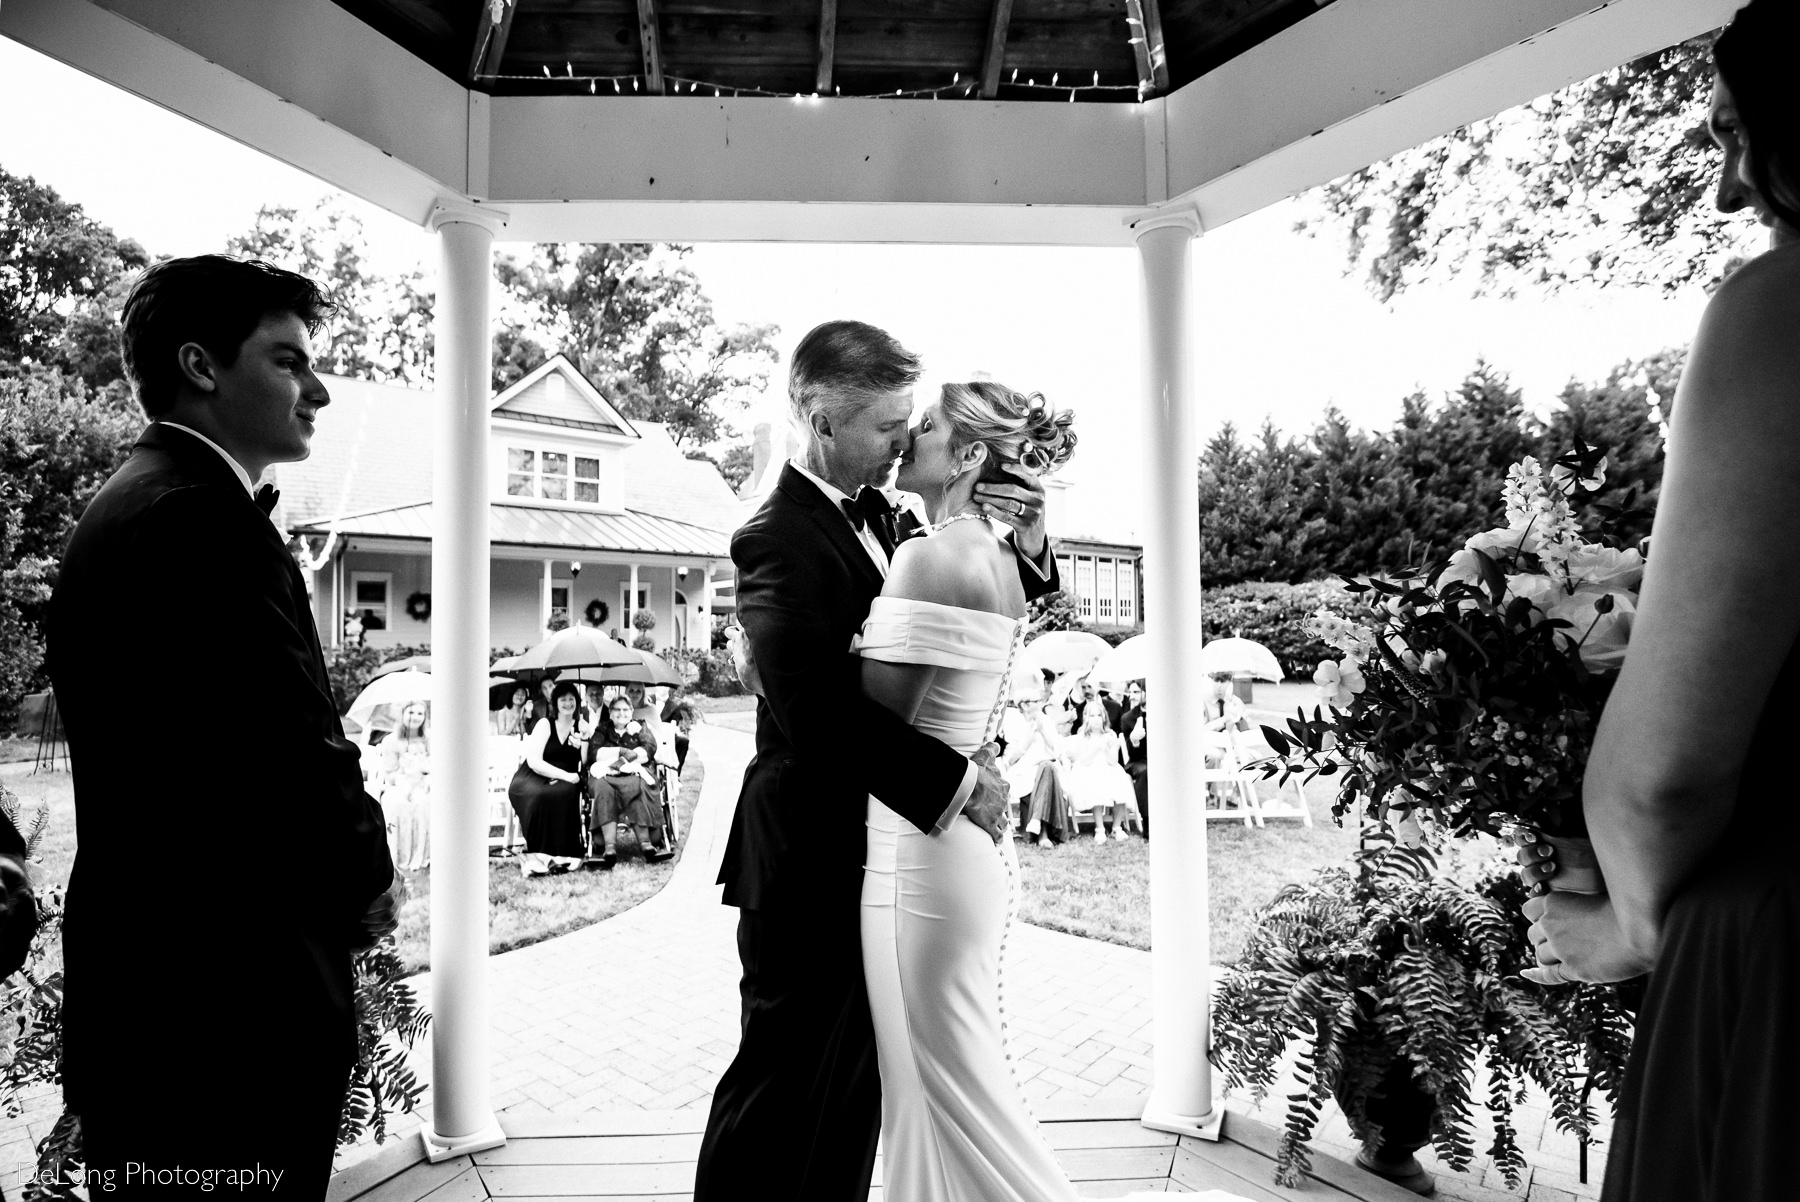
569,69
546,71
592,88
1096,79
1015,76
616,88
1053,78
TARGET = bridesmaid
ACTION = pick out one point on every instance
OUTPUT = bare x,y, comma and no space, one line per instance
1689,794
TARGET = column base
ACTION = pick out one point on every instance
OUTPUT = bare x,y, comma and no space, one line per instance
444,1147
1206,1126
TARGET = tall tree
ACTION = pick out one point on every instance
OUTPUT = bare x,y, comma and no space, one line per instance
1607,180
634,318
55,260
382,327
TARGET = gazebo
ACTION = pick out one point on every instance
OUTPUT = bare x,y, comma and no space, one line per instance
1049,122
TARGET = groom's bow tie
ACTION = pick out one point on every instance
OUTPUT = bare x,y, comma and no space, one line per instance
266,496
871,509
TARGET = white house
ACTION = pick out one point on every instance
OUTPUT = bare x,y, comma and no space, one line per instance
584,506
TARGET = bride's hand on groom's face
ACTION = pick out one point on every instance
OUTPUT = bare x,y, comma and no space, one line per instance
990,805
1020,505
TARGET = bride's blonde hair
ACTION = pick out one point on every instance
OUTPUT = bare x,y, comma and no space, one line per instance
1015,427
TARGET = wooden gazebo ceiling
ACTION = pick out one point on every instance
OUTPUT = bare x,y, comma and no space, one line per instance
1024,50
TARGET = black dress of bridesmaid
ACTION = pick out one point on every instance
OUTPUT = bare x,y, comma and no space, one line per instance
1711,1099
550,810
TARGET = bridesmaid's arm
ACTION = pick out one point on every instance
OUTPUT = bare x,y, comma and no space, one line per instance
1718,615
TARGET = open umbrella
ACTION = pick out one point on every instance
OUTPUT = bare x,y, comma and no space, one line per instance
379,705
1064,651
409,663
575,647
1234,657
503,664
650,669
1128,661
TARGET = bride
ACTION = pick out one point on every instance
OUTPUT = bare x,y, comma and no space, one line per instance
937,649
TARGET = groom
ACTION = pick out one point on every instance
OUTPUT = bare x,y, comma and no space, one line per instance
797,1114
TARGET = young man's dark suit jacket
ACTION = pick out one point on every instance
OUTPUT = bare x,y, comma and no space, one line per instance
798,1112
226,848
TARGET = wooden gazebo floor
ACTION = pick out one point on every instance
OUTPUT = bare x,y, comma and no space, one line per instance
650,1155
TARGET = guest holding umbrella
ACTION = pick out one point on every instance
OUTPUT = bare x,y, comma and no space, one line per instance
546,790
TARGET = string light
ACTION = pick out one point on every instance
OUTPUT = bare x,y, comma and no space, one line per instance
958,87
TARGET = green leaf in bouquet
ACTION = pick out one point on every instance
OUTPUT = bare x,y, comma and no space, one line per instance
1276,740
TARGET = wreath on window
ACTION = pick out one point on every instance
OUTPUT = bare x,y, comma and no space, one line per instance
418,607
596,612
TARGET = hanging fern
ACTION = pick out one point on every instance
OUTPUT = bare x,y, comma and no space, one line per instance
1392,964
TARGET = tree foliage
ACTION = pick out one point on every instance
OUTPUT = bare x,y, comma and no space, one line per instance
633,317
382,327
1351,501
1607,180
62,277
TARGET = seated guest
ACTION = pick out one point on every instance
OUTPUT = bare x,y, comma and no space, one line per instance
1075,708
1029,734
411,734
546,790
622,751
514,718
1134,726
541,708
1096,778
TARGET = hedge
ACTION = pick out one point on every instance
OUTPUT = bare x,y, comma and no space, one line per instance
1273,614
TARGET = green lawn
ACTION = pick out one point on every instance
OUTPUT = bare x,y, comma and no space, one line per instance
1102,890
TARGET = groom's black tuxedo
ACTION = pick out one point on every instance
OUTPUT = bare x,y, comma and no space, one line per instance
227,850
798,1112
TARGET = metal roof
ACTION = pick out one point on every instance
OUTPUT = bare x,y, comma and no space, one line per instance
535,526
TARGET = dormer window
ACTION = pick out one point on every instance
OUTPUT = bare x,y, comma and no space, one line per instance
552,475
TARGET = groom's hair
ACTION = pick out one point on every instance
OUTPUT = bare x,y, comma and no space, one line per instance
843,364
215,300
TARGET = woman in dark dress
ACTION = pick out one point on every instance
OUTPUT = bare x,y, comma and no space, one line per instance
546,790
1690,793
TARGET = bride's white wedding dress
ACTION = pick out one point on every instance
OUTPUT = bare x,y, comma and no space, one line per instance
935,911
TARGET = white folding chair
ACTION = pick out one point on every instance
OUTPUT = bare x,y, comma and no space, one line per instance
1237,783
505,752
1249,747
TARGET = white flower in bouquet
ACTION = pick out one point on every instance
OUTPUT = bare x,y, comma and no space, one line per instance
1339,681
1611,569
1567,479
1599,625
1535,587
1355,642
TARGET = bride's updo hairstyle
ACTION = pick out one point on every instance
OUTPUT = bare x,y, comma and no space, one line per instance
1755,58
1015,427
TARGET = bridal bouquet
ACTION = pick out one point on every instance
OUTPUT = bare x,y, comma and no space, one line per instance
1469,697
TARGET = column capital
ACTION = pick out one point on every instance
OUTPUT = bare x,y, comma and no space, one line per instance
1185,217
447,210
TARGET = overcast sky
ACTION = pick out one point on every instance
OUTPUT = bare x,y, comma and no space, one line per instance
1281,333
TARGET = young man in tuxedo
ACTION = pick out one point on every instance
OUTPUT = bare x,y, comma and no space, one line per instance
227,870
797,1114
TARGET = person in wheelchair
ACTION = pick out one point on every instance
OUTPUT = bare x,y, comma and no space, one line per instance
622,776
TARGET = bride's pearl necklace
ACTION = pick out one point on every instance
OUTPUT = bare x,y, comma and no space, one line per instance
960,517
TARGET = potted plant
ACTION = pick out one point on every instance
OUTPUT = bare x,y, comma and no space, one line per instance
1469,697
1398,983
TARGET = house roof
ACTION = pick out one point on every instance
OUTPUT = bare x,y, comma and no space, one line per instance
538,526
372,454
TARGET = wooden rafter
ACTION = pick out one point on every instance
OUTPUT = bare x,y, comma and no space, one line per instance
490,39
992,57
1144,19
651,40
1153,42
827,45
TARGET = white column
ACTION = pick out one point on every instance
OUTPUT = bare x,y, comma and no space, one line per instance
631,596
1181,1080
462,1119
544,596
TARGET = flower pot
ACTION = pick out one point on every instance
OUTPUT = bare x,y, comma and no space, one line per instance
1577,871
1403,1112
